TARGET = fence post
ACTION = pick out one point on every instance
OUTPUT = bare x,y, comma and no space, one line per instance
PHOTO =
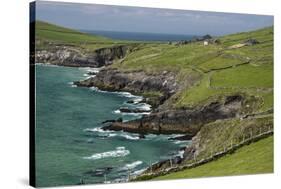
171,163
231,144
150,167
260,130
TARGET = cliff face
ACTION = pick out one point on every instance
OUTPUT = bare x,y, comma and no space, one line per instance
71,56
159,87
182,121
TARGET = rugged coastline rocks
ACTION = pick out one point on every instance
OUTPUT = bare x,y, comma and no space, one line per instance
181,121
158,87
75,57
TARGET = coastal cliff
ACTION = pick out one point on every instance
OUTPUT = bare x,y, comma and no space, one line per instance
182,121
75,57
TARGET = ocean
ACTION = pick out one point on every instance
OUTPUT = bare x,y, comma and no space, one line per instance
70,146
138,36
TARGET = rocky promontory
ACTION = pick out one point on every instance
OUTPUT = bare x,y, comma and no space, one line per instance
156,88
182,121
76,57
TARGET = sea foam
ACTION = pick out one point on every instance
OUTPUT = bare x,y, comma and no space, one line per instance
118,152
131,165
108,133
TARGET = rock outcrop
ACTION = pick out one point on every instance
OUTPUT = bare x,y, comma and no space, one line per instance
182,121
159,87
71,56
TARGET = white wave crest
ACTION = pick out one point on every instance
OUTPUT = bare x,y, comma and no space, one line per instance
71,84
131,113
97,129
130,137
144,106
118,152
131,165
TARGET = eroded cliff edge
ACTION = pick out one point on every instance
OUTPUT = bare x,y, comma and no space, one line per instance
77,57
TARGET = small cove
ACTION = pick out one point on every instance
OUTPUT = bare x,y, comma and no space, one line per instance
70,145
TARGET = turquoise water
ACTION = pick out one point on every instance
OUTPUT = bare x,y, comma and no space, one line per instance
70,147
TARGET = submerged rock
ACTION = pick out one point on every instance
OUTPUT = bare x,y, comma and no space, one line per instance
112,120
99,171
184,137
134,110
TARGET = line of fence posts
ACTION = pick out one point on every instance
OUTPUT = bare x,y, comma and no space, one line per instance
225,148
212,151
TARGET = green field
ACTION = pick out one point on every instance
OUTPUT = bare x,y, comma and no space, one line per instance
255,158
217,69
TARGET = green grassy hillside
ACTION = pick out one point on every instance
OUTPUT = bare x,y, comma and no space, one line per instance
255,158
222,70
50,35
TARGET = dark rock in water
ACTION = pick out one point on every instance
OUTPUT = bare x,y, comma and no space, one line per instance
92,73
119,119
108,121
184,137
183,148
141,136
99,171
112,120
130,102
135,110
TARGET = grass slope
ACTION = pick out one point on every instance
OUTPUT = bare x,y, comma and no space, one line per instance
221,70
255,158
50,35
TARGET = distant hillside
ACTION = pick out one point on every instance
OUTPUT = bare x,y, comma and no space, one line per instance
56,33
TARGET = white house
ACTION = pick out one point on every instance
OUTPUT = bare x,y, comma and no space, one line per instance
206,43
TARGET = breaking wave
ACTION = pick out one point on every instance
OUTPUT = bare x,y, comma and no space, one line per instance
131,165
118,152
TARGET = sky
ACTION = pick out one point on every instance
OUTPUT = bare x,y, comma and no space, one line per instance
148,20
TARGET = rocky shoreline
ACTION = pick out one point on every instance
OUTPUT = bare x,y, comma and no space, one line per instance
76,57
155,88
